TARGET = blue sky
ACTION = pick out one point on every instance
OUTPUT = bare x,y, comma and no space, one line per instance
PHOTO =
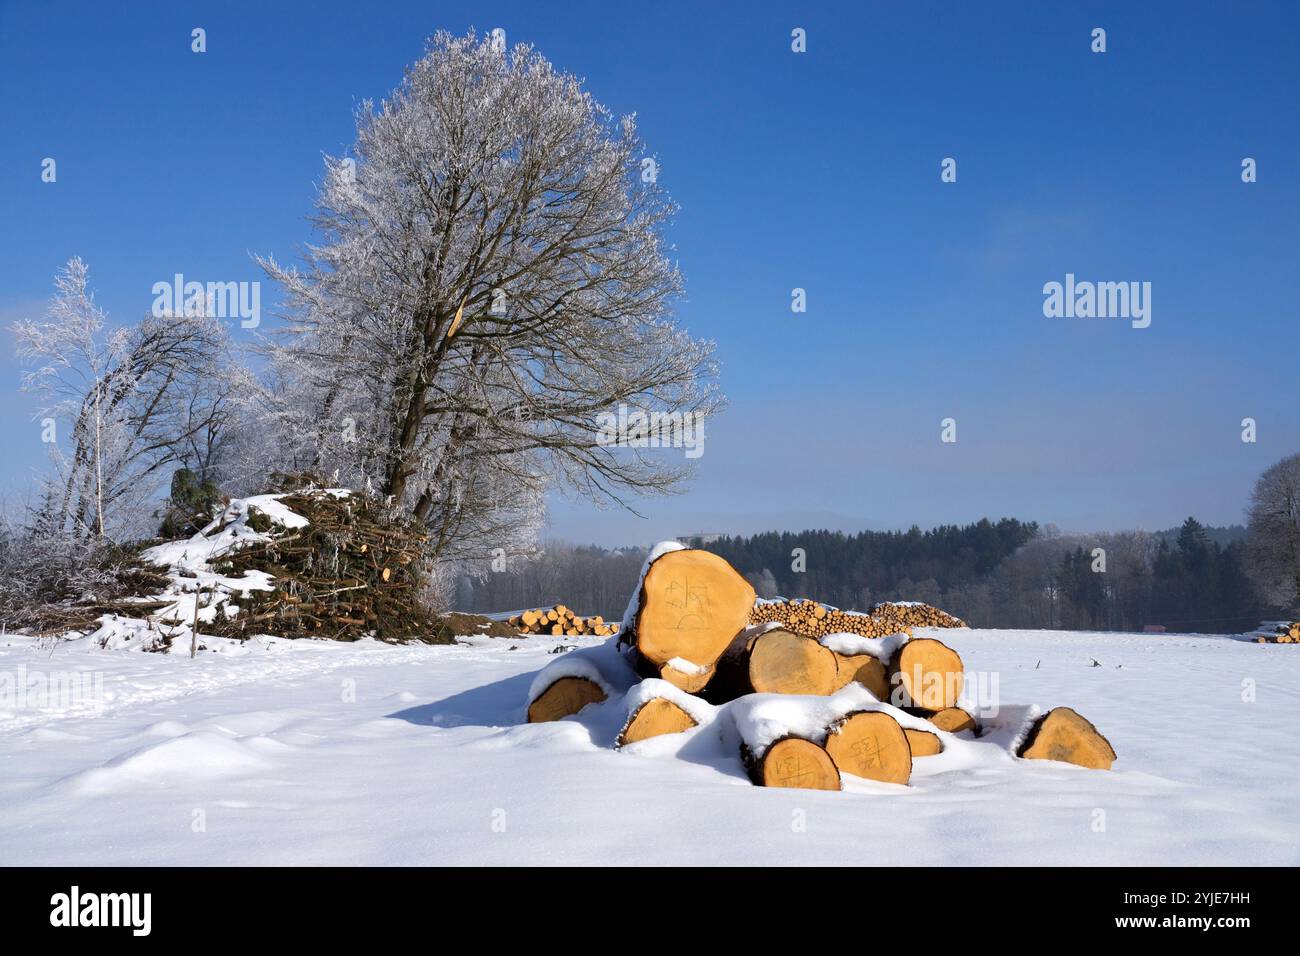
817,170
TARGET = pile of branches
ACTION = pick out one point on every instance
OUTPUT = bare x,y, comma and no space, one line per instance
59,582
355,569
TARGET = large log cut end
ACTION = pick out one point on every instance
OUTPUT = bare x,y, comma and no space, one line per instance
784,663
928,674
655,718
870,744
774,662
564,698
795,762
692,604
1065,735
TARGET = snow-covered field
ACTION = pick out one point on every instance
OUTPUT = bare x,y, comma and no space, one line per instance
282,752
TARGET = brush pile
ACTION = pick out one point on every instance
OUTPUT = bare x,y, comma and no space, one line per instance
346,568
561,621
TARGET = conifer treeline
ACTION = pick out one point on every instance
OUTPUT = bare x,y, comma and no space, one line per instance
1006,573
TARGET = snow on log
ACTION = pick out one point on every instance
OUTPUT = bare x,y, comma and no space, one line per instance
794,762
689,677
954,720
929,674
1062,734
774,661
870,744
689,606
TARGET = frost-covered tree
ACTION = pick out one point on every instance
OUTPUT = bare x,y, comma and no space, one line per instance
492,277
123,403
1273,532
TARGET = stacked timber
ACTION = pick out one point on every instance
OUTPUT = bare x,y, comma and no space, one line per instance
814,619
561,621
1288,632
814,693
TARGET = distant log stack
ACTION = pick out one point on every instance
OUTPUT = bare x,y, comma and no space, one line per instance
813,619
1284,633
560,621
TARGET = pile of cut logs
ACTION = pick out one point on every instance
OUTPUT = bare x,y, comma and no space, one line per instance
561,621
696,626
1287,632
813,619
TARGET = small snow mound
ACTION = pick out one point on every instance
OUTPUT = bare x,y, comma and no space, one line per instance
194,756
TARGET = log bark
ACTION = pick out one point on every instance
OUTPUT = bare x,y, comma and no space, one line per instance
794,762
564,698
927,673
655,718
870,744
1063,734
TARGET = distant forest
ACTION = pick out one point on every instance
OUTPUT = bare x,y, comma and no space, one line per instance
1004,573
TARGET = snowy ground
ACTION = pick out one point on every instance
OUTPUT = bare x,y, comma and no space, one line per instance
282,752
